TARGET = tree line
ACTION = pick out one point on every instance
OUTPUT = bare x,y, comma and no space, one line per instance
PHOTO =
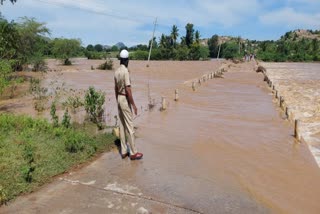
25,44
168,47
291,47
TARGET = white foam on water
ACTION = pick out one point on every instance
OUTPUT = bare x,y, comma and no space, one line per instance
316,153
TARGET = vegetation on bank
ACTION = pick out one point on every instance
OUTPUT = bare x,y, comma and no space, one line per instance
292,47
169,48
33,150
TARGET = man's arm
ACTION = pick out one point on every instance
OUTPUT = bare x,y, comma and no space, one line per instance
116,89
130,99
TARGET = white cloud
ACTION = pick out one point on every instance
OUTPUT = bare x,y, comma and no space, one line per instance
93,6
304,1
200,12
229,12
289,17
127,20
110,21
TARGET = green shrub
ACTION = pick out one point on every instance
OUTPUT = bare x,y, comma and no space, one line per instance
66,119
108,65
182,53
156,54
36,89
229,50
39,64
94,101
140,55
204,52
39,94
74,102
29,156
3,196
5,71
54,117
67,62
75,143
95,55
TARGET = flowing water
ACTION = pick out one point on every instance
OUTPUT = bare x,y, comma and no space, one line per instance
223,148
299,84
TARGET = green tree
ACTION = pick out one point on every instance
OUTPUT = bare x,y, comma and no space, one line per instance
213,44
114,48
182,53
98,47
66,48
183,41
239,43
197,37
229,50
194,53
141,47
174,35
154,44
12,1
204,52
165,41
31,44
189,34
315,45
90,48
8,39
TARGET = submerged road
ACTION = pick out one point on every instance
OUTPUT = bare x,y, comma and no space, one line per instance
224,148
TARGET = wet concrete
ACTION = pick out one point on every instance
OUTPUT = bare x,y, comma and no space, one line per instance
221,149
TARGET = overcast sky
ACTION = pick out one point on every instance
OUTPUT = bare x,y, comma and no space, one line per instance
131,22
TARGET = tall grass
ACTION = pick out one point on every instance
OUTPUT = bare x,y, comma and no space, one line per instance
33,150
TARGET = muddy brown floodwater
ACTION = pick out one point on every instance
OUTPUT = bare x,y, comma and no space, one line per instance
223,148
298,84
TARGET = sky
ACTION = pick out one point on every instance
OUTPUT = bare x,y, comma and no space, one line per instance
131,22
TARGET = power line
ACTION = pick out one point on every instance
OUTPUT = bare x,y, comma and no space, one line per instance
61,4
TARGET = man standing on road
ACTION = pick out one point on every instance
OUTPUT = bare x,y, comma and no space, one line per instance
125,105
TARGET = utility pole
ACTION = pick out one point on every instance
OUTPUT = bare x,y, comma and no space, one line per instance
239,43
154,29
219,51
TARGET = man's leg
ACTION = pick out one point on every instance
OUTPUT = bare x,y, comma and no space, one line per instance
128,125
124,147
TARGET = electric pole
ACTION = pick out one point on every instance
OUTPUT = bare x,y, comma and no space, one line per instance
219,51
154,29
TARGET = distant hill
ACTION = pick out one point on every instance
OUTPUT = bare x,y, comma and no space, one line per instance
300,34
291,35
222,39
120,45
